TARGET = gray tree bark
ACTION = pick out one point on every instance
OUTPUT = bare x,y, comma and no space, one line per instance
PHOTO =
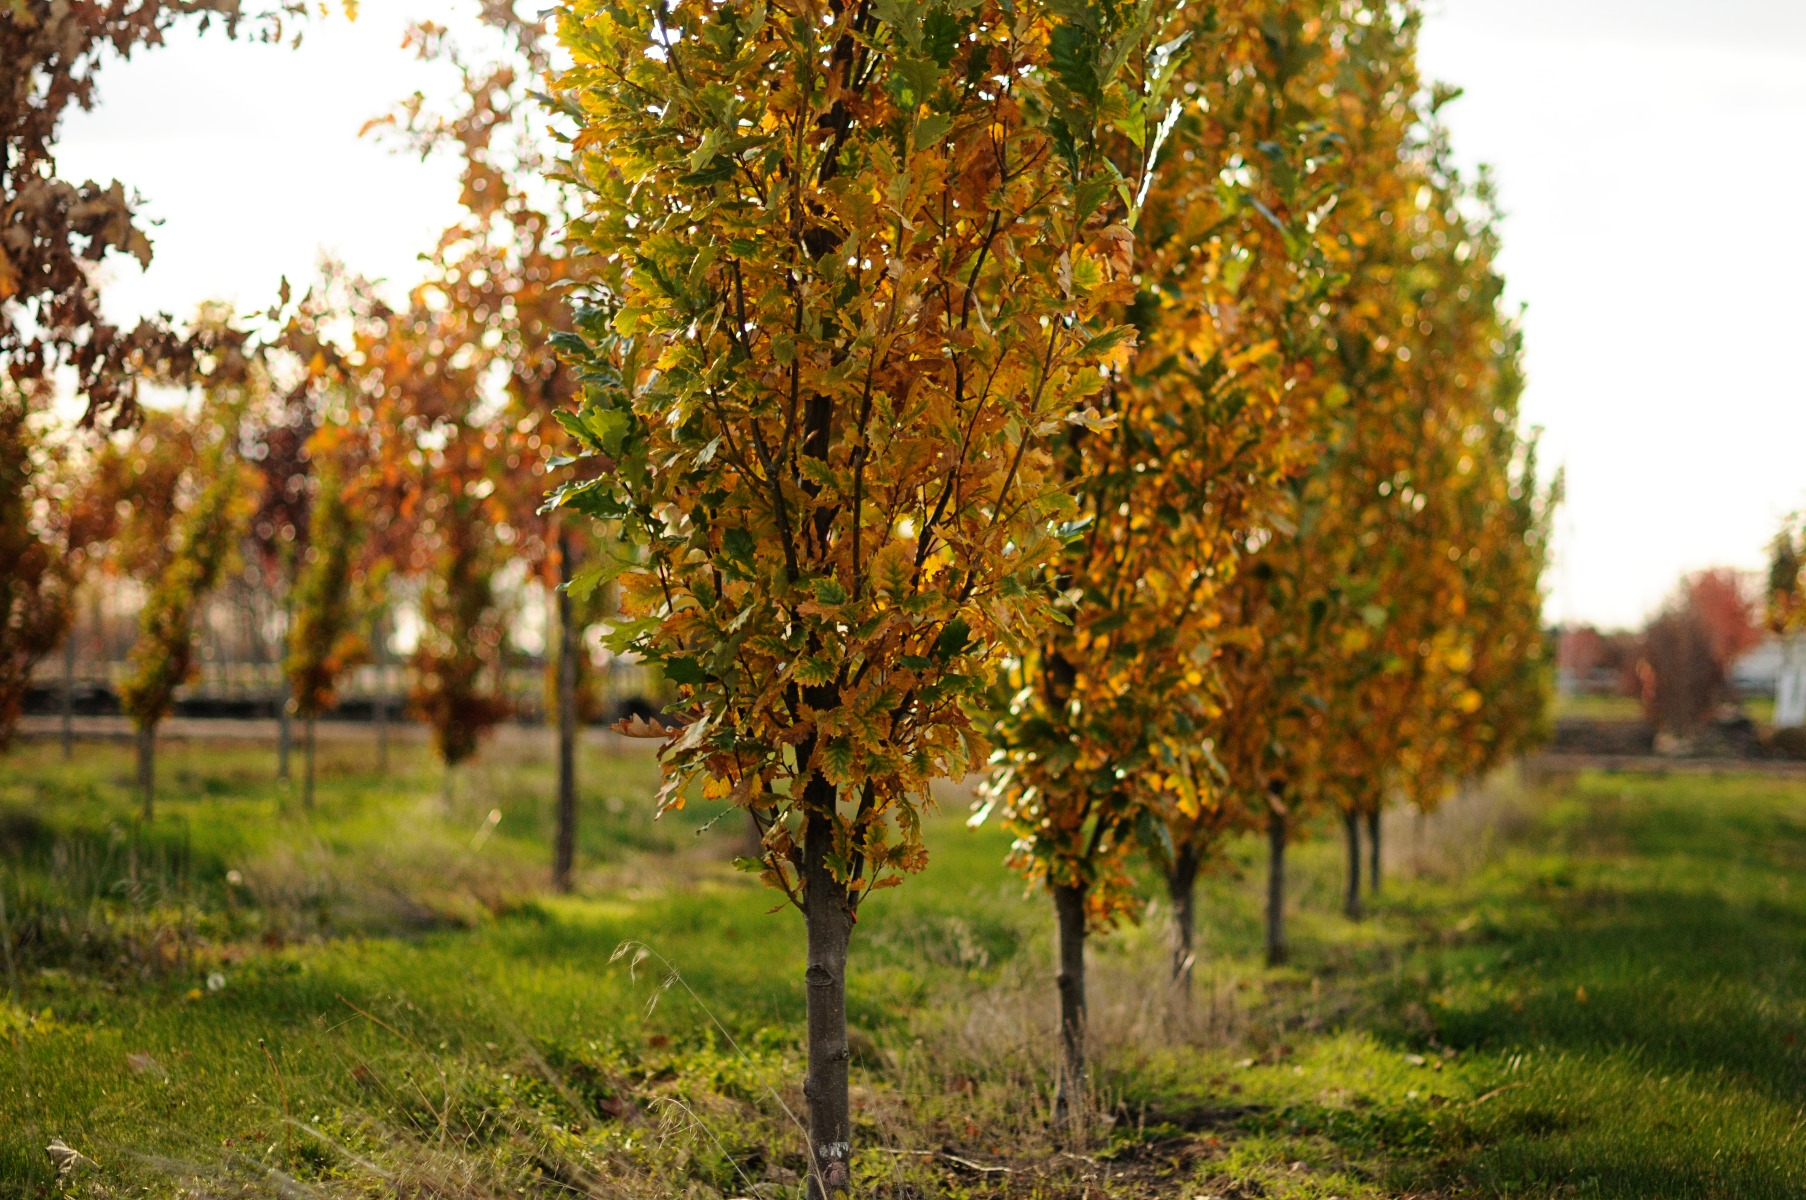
307,765
830,928
380,653
69,693
1276,884
1373,851
1351,894
1181,889
147,769
1069,908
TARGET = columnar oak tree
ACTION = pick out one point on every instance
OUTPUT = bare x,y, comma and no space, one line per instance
1285,616
1099,720
849,261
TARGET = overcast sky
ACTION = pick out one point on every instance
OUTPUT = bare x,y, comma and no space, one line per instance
1648,155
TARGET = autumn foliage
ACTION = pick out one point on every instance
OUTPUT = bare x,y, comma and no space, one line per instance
1114,402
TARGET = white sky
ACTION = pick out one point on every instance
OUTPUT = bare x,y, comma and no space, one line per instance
1648,155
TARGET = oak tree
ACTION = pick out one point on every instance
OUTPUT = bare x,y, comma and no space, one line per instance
849,265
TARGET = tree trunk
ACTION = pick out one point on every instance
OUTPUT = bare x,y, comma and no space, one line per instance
147,769
830,928
1351,894
307,764
564,855
1373,851
1276,885
1069,907
380,652
285,738
1181,888
69,693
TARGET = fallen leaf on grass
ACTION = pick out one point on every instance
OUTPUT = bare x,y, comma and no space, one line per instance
66,1158
142,1063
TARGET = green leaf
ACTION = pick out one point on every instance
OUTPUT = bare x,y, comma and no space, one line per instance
608,425
941,32
739,546
953,639
1106,341
931,129
837,761
584,583
573,425
828,590
681,668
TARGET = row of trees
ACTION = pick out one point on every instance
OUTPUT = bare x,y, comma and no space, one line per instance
1118,398
1114,400
338,445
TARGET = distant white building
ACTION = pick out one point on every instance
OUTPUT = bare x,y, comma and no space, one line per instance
1776,668
1790,684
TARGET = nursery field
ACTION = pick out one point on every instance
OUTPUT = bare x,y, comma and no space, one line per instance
1587,986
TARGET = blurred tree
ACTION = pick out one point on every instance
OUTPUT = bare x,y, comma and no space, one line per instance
506,266
1785,607
1728,610
1689,647
1682,679
36,581
324,639
52,232
186,547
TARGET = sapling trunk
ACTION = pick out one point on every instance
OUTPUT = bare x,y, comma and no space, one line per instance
564,852
1351,894
147,769
830,928
69,694
1069,909
1276,886
1181,888
380,652
285,740
1373,851
307,764
382,728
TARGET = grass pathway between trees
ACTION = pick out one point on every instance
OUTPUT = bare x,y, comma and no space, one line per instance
1590,988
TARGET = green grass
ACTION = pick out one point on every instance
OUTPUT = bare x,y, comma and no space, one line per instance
1592,989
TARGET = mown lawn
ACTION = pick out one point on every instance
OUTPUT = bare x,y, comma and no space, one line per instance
1593,987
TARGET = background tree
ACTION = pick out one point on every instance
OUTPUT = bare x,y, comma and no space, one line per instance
36,583
1448,681
1101,717
277,432
461,628
324,639
847,267
506,267
199,534
1689,648
1296,605
1784,609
